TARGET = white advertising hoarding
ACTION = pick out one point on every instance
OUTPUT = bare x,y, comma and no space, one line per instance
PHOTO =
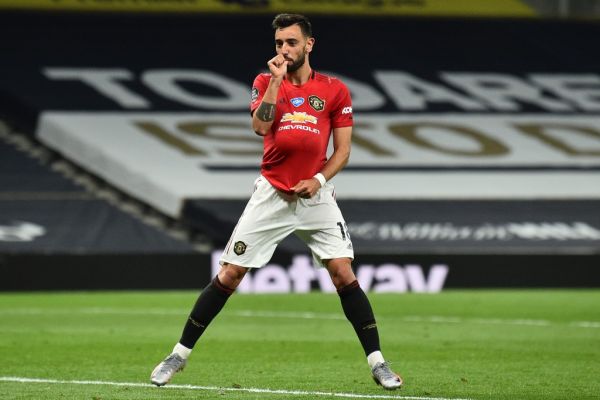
167,157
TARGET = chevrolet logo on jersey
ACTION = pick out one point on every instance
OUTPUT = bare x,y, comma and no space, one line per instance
299,117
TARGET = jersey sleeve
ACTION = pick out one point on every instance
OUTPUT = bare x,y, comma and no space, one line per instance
261,82
341,114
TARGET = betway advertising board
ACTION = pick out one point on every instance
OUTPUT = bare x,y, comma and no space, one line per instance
163,115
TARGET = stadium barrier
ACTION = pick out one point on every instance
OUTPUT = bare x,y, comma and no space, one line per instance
479,148
382,273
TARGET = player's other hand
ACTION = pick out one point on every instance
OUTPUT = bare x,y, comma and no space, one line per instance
278,66
307,188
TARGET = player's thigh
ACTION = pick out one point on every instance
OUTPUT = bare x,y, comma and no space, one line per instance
323,228
267,220
328,243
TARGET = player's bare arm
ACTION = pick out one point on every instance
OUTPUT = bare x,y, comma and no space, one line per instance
266,112
342,142
263,117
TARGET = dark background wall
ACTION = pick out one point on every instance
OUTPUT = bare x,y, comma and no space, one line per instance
93,245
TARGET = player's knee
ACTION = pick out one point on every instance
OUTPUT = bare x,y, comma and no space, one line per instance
231,275
340,270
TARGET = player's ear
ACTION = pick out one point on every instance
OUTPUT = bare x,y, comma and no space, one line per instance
309,44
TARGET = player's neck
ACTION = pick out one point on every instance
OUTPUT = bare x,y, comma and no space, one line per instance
301,76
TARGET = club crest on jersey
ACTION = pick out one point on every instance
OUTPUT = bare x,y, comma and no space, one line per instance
297,101
239,248
316,103
299,117
254,94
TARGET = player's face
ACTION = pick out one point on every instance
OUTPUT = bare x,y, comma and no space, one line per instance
293,46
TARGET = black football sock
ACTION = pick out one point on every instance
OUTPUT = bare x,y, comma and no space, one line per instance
209,304
358,311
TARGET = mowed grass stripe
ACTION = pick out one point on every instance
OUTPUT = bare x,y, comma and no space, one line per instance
219,389
309,315
480,344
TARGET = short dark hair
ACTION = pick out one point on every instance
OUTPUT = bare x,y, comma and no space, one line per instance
285,20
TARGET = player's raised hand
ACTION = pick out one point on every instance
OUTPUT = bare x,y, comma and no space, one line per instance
278,66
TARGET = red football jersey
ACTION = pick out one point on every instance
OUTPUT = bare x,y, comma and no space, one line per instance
296,146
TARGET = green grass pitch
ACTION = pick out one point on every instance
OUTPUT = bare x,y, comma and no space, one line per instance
480,344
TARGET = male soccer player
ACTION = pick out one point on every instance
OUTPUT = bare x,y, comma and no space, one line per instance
295,109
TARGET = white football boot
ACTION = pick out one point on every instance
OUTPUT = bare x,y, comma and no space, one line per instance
163,373
384,376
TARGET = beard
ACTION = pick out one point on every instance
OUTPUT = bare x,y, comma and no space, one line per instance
295,65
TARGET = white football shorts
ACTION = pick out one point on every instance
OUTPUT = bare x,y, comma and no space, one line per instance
271,215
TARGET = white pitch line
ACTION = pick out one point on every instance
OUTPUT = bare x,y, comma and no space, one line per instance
417,318
586,324
306,315
288,314
16,379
